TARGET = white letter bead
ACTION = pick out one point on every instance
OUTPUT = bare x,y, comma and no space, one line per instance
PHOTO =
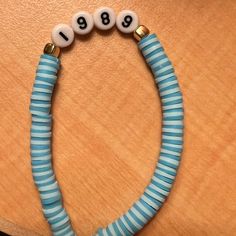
127,21
82,22
62,35
104,18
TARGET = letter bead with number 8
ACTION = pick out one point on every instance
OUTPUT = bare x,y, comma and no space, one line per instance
82,22
104,18
127,21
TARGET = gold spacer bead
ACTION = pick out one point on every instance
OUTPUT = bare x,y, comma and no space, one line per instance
141,32
52,49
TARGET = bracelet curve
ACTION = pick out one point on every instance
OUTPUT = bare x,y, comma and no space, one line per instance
145,208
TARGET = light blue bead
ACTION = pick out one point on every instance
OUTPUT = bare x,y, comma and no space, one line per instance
52,58
56,66
126,231
167,180
145,215
132,226
147,206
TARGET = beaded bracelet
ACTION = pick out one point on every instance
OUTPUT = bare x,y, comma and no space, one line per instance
161,182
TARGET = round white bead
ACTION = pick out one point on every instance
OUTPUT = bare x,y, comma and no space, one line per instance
62,35
127,21
82,22
104,18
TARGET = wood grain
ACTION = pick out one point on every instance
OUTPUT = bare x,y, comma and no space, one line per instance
107,117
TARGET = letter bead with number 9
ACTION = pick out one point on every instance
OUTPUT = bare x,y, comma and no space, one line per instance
82,22
127,21
104,18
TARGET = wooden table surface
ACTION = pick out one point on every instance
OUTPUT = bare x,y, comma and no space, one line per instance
107,117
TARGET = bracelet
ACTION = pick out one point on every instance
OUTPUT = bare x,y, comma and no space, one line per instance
143,210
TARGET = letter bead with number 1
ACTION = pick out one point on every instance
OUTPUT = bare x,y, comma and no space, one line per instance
62,35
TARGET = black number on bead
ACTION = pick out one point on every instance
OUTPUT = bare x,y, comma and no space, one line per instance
105,18
82,22
63,36
127,21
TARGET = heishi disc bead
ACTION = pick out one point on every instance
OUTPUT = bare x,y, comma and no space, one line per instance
104,18
82,23
127,21
62,35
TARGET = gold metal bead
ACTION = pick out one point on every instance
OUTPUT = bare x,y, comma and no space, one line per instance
141,32
51,49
